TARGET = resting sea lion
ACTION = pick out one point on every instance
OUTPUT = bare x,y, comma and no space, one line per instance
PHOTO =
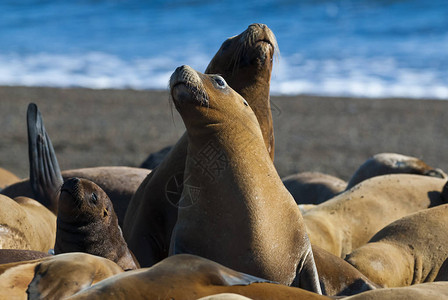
87,223
313,187
120,183
235,209
408,251
350,219
26,224
14,255
7,178
189,277
53,277
392,163
423,291
245,62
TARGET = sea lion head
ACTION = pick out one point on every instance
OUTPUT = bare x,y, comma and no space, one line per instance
81,200
251,51
206,101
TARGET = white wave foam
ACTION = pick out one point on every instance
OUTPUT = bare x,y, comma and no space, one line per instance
377,78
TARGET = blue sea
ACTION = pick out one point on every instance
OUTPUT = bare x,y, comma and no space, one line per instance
369,48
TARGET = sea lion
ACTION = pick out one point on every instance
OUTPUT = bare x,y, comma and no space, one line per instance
235,209
423,291
313,187
7,178
350,219
87,223
53,277
392,163
408,251
189,277
14,255
120,183
26,224
245,62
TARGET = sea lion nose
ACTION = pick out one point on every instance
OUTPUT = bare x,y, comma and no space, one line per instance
70,185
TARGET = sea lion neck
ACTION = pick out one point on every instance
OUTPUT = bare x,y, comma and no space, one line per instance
245,61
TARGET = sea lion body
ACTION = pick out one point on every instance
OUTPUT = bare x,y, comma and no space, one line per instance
26,224
350,219
235,209
392,163
313,187
408,251
7,178
53,277
87,223
245,62
189,277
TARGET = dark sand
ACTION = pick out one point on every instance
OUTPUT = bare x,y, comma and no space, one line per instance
121,127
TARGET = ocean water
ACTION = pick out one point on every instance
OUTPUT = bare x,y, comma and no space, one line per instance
370,48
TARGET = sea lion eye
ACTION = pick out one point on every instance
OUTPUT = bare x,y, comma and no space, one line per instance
220,82
94,198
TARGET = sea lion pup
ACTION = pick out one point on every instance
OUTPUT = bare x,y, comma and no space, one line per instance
7,178
26,224
53,277
350,219
423,291
246,61
313,187
87,223
408,251
189,277
235,209
392,163
120,183
14,255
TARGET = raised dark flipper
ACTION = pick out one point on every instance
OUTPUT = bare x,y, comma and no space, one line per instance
45,174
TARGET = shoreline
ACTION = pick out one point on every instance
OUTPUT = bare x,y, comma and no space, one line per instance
333,135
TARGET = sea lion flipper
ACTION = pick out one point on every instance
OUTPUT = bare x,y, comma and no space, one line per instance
45,174
237,278
307,277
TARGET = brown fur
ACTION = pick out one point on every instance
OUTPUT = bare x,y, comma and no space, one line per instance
409,251
239,212
392,163
350,219
7,178
87,223
119,183
26,224
151,216
189,277
15,255
313,187
53,277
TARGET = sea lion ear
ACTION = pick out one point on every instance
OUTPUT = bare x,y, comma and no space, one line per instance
105,212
